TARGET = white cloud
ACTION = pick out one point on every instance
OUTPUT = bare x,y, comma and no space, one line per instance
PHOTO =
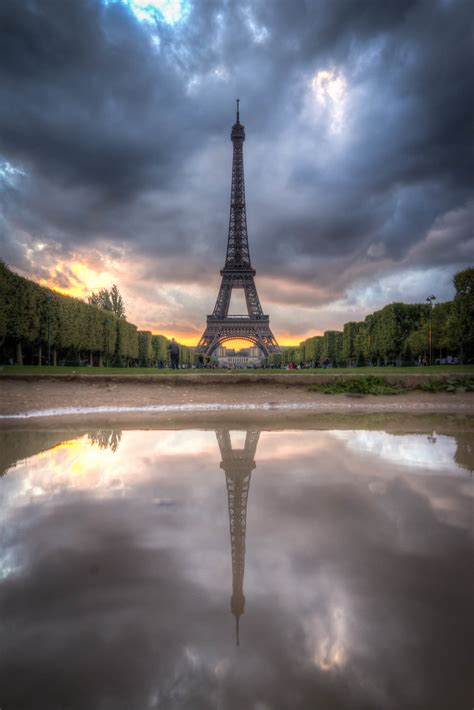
172,11
329,87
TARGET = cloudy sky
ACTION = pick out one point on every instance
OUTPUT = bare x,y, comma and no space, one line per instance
115,152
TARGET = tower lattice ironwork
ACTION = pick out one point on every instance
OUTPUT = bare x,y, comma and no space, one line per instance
238,465
238,272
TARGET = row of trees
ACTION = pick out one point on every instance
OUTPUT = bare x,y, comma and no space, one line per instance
38,325
154,351
398,333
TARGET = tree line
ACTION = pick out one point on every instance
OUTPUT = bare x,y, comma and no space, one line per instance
154,351
397,334
40,326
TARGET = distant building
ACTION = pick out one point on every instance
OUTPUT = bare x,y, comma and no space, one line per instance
247,357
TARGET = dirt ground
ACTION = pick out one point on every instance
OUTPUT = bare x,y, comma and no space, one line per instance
22,396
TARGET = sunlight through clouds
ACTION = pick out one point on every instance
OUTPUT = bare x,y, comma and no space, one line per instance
9,173
171,11
77,279
330,90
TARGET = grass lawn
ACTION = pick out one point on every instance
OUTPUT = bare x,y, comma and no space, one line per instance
454,370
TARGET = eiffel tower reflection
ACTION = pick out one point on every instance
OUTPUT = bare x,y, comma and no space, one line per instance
238,465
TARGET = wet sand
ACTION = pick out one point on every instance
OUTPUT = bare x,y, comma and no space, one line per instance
20,396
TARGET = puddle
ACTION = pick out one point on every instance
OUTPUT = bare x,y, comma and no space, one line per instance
236,567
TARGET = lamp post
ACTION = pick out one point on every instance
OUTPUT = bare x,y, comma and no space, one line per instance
430,300
49,328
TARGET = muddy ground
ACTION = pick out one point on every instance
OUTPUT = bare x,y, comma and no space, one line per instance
19,396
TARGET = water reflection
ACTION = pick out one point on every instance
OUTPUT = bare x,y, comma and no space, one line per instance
116,564
238,464
434,453
105,439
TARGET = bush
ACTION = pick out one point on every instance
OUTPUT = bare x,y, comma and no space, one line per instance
359,386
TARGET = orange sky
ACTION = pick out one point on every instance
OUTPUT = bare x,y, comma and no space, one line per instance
82,280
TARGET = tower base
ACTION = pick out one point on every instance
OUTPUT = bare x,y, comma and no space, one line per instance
256,330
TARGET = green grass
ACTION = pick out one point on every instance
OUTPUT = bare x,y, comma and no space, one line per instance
452,384
364,371
360,386
378,385
69,370
454,370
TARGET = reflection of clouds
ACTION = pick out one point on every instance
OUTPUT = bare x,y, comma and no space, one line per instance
131,560
328,637
417,451
291,443
433,453
80,465
71,466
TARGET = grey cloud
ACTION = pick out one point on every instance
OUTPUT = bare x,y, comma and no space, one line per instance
122,129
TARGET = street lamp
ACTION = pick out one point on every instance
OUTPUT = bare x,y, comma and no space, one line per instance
430,300
49,328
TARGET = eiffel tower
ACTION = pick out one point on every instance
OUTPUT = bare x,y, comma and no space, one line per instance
238,272
238,465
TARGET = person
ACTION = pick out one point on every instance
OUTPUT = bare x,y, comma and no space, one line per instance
174,354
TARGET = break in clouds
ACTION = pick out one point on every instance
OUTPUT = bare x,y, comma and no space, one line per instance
115,151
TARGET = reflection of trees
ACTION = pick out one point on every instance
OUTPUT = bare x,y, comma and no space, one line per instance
105,438
238,465
17,446
464,455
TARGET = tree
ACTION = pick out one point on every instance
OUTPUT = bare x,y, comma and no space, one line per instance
462,323
145,347
332,347
126,347
109,301
418,341
349,335
441,320
392,325
32,316
361,343
361,359
117,302
160,350
101,299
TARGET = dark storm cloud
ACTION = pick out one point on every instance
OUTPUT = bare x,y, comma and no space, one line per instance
121,129
73,75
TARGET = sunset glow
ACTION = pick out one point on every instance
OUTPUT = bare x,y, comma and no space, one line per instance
79,280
